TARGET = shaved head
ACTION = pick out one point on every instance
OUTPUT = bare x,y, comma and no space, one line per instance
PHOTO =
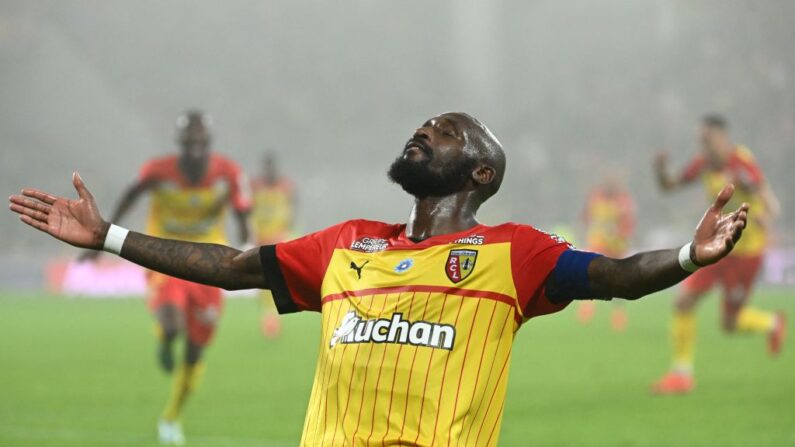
486,148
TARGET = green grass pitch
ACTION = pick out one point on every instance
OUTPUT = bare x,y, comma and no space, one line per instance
82,373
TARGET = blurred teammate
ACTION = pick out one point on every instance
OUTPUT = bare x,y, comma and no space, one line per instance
190,193
609,217
272,217
719,162
419,318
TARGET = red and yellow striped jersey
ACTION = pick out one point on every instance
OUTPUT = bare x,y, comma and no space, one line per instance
416,337
193,212
272,213
610,219
741,169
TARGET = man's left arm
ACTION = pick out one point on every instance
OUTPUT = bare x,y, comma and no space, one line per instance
240,199
651,271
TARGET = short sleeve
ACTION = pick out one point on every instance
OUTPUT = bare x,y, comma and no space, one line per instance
295,269
693,169
748,171
239,188
148,172
534,254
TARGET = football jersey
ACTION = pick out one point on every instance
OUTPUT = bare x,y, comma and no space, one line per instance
272,212
182,210
610,221
416,337
742,166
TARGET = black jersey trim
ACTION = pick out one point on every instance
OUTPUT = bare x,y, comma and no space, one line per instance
278,286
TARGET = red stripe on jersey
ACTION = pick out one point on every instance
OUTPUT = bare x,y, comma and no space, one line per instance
322,374
466,293
394,376
427,373
488,381
480,364
364,382
411,374
444,375
463,368
491,400
331,370
375,398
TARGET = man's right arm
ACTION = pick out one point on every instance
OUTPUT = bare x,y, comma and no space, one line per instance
211,264
79,223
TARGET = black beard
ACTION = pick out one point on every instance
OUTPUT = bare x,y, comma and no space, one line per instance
417,178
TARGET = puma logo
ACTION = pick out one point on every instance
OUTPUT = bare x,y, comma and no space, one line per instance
358,268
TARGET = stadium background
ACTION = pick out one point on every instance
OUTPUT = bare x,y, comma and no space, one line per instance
335,89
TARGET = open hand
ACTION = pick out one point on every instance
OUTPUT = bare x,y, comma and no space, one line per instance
76,222
717,233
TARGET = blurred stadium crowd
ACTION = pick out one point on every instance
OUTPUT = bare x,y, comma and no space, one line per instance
95,87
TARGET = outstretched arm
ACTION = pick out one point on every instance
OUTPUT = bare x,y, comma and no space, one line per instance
128,199
79,223
650,271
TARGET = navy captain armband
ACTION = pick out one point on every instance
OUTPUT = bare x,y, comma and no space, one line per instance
569,279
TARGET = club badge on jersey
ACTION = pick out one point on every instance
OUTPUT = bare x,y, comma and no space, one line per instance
460,264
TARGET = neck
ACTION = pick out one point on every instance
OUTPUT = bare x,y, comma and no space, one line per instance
193,171
434,216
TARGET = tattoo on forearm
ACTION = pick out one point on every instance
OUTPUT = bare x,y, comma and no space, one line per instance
211,264
636,276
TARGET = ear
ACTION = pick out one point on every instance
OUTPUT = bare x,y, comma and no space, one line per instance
484,174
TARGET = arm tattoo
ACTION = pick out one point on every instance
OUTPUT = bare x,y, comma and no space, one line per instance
636,276
211,264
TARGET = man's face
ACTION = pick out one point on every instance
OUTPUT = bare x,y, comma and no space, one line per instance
194,141
434,162
714,142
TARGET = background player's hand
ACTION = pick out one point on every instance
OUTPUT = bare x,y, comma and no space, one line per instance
717,233
76,222
661,160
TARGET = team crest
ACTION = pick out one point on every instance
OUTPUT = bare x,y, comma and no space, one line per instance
460,264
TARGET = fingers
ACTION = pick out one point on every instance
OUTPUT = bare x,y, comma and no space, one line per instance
80,186
28,203
30,212
49,199
37,224
28,207
737,230
723,198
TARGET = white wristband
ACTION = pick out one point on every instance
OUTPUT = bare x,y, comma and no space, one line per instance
115,239
685,262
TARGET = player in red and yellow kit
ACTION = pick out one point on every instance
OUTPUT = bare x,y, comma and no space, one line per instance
272,217
418,319
721,162
189,195
609,217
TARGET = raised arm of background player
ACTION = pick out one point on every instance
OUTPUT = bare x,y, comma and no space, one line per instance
79,223
136,190
669,182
